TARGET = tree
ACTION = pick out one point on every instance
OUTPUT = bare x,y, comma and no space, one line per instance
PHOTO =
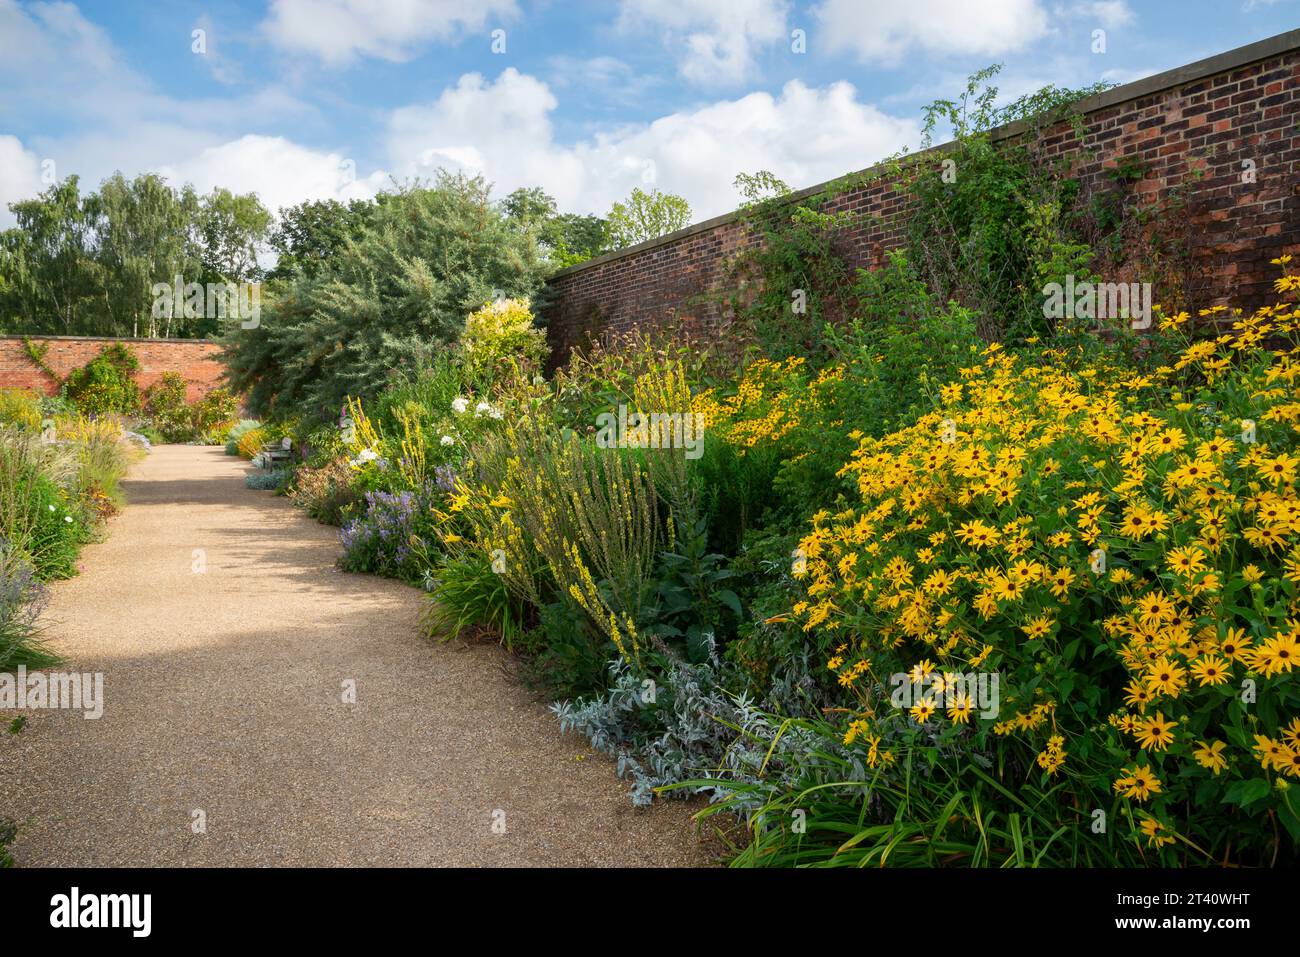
529,209
87,265
308,236
145,238
51,278
566,238
573,238
644,216
230,230
386,302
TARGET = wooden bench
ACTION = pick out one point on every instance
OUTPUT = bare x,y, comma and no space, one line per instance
275,454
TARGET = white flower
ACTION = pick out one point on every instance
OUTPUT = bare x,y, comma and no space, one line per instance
67,518
495,413
364,456
483,408
447,440
459,405
51,508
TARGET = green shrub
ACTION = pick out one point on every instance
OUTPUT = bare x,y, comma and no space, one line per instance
215,416
105,384
563,655
36,519
164,403
466,593
270,481
386,302
501,331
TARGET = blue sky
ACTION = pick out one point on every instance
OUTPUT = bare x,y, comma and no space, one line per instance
304,99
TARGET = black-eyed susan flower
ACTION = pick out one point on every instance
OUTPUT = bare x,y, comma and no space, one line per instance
1209,754
1155,733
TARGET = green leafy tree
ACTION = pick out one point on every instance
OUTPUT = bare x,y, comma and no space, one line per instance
573,238
87,265
643,216
51,279
391,298
230,230
566,238
144,238
307,237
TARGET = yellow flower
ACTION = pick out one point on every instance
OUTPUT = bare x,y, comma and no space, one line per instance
959,709
1210,670
1037,627
1138,783
1156,733
1209,754
1165,677
1157,834
1061,581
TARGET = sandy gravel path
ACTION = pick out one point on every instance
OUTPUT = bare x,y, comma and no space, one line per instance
224,694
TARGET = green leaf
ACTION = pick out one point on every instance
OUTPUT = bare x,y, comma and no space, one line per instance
1244,793
728,598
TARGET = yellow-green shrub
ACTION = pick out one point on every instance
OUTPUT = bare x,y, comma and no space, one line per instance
553,509
20,407
251,442
501,330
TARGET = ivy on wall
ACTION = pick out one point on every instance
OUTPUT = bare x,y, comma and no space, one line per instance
987,221
36,352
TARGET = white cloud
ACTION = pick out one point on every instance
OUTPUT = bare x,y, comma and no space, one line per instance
885,31
502,129
20,176
719,37
280,172
1109,13
338,31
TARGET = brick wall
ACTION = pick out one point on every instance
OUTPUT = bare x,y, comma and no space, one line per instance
1207,116
195,359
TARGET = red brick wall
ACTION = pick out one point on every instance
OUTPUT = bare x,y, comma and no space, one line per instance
195,359
1209,115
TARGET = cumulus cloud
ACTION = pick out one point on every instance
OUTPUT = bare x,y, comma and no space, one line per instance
503,130
20,176
280,172
339,31
718,39
885,31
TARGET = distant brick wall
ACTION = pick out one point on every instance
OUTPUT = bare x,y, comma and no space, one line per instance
195,359
1211,115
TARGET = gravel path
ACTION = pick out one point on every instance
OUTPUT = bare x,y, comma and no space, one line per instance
224,695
